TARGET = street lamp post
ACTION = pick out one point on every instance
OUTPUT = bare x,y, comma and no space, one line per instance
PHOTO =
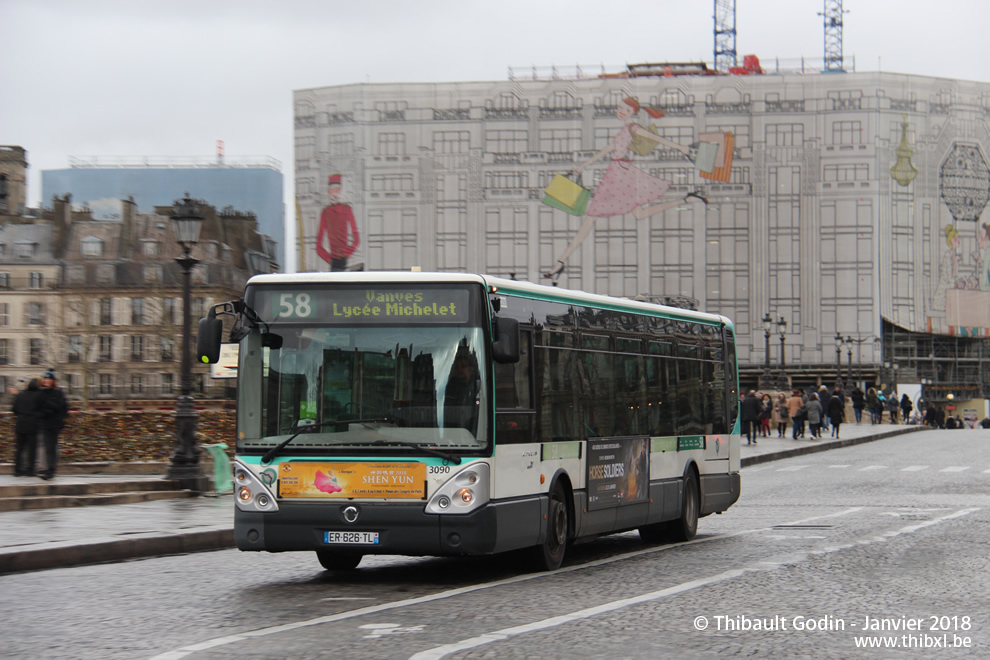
838,360
849,354
184,463
782,383
766,383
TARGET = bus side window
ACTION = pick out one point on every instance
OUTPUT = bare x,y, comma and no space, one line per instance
514,413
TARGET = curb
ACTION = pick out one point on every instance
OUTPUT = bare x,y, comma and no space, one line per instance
825,446
151,544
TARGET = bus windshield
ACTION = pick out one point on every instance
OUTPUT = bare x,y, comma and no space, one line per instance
358,390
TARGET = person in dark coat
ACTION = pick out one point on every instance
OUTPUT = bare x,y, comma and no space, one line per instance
53,409
906,408
836,411
749,411
824,397
859,402
25,409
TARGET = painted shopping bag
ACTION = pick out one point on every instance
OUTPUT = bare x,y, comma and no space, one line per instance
725,171
566,195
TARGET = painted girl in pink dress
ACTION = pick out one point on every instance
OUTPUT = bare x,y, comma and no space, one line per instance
625,188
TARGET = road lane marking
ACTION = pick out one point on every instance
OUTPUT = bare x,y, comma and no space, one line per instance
439,652
793,468
834,467
177,654
870,468
914,468
955,468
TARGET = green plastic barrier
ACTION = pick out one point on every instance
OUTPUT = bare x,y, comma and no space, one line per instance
222,472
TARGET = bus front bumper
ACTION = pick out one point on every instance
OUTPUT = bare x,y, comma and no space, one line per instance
403,529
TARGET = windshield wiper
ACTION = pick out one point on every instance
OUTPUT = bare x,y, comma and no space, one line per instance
456,460
273,452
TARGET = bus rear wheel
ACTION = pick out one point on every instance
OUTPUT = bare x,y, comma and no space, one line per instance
337,561
685,527
549,555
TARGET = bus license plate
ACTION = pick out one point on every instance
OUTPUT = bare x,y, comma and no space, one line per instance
351,538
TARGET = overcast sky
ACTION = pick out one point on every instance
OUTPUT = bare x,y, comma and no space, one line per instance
171,77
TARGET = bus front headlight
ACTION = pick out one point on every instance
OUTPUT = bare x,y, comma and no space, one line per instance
252,495
466,491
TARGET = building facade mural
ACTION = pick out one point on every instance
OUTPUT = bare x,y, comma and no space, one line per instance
838,202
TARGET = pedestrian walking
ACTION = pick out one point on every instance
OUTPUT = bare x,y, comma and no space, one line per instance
859,402
53,409
750,415
893,407
823,398
871,404
26,427
836,412
766,412
906,408
795,408
782,414
815,413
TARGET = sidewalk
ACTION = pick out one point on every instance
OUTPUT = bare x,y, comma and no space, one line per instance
35,539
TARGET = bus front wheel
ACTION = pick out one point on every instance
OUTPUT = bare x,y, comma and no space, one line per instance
550,554
337,561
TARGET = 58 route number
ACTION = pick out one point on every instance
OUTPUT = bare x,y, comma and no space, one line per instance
296,305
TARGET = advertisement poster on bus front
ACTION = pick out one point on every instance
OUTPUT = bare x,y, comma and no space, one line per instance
618,471
350,480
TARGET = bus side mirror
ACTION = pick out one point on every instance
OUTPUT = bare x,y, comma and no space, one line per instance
505,348
208,338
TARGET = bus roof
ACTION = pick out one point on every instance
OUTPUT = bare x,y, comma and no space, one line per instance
499,285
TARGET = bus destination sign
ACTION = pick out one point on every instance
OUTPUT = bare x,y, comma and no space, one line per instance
366,305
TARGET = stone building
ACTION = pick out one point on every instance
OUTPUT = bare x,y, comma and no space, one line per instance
851,207
100,301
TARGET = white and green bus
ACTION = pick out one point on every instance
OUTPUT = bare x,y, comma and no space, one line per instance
460,414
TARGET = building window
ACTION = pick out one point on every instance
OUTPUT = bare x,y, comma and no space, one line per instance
137,384
105,273
847,132
106,383
839,173
37,279
137,348
168,310
137,311
4,313
37,351
106,348
451,142
91,246
341,145
106,311
152,273
74,348
4,280
560,140
506,180
785,135
505,142
149,247
26,249
167,384
4,355
198,307
391,144
391,182
75,274
35,313
168,349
